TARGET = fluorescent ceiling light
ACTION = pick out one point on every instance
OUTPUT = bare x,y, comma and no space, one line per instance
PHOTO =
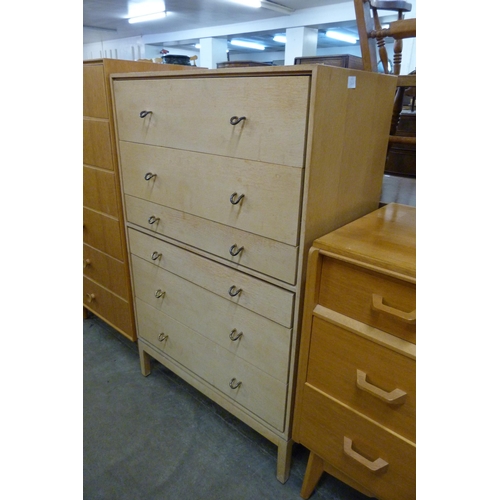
280,38
248,45
249,3
336,35
147,17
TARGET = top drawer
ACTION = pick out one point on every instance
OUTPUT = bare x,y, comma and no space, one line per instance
194,114
94,92
375,299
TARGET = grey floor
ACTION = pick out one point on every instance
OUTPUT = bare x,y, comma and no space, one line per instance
157,438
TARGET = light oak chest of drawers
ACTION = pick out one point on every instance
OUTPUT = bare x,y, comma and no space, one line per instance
228,177
106,278
355,408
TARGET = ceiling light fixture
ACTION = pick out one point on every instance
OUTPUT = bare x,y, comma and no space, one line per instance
267,5
248,45
276,7
342,37
279,38
148,17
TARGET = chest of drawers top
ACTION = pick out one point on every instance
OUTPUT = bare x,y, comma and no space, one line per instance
391,244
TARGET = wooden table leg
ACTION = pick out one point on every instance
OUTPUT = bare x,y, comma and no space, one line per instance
313,473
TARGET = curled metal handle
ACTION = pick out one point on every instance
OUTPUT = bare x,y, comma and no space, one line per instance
155,255
149,176
234,250
159,293
162,337
143,114
234,120
153,219
234,384
233,291
86,263
90,297
234,335
235,200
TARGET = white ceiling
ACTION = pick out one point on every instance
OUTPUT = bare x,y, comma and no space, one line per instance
107,19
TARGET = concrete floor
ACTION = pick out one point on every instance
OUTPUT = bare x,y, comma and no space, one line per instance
157,438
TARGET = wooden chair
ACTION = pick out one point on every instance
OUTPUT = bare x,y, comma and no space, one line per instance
372,41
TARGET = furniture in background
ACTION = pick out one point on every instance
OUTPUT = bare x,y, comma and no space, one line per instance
341,61
228,176
355,398
106,278
372,42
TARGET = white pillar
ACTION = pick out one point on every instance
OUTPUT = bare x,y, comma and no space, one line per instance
212,51
300,42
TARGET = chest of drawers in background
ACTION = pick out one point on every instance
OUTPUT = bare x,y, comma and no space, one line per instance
228,177
356,390
106,278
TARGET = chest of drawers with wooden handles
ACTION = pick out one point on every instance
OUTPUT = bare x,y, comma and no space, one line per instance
106,285
355,408
227,178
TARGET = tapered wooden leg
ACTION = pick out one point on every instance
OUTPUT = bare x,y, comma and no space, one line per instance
313,473
144,359
284,460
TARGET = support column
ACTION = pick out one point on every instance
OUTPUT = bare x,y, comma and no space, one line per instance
300,42
212,51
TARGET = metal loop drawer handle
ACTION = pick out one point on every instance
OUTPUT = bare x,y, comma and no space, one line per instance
143,114
90,297
234,335
234,120
149,176
233,291
235,200
378,465
155,255
234,250
234,384
159,293
153,219
162,337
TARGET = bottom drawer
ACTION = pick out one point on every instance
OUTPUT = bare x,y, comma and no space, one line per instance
108,306
325,425
257,391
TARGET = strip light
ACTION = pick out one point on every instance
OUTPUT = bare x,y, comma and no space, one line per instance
279,38
336,35
248,45
148,17
267,5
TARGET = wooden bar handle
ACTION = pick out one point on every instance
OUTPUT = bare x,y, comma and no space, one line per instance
407,317
395,397
378,465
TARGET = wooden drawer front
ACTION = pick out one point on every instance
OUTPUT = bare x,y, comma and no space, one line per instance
264,255
105,270
256,295
260,393
102,232
202,185
262,343
336,355
194,114
94,92
325,423
108,306
99,191
349,290
97,150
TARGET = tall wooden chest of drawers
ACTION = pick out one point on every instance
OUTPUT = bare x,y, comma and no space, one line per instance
106,278
356,390
228,177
